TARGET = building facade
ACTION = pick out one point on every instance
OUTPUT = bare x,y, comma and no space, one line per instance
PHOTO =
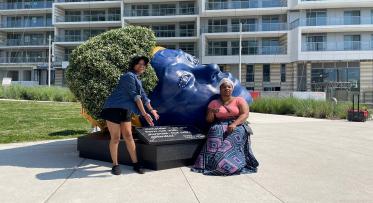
294,45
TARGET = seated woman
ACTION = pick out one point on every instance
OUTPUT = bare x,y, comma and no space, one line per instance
227,150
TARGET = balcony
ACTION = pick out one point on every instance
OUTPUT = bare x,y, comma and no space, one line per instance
325,21
88,18
245,4
71,1
335,46
26,5
251,50
22,42
263,27
160,12
174,33
20,24
322,4
23,59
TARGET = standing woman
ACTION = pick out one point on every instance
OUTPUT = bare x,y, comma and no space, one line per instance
128,97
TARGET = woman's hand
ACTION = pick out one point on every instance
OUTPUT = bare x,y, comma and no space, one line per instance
155,114
231,128
148,119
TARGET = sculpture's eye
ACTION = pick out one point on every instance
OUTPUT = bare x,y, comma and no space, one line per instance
184,79
192,59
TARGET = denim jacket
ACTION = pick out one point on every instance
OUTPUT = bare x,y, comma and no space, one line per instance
126,93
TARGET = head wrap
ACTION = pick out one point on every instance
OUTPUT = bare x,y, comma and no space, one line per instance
226,80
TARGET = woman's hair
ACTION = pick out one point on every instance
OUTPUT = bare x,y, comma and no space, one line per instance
136,59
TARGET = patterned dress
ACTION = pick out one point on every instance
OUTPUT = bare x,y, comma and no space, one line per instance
226,154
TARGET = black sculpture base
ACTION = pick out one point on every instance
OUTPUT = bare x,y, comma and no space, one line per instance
155,157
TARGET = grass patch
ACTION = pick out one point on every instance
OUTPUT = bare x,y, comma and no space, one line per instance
40,93
302,108
31,121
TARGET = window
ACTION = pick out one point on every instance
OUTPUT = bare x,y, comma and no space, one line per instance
219,25
187,30
187,8
316,18
164,9
217,48
91,33
72,36
248,25
217,4
266,73
95,15
283,72
316,42
114,14
188,48
248,47
250,88
164,30
13,74
340,72
272,89
271,46
351,17
140,10
271,23
27,75
352,42
72,16
250,73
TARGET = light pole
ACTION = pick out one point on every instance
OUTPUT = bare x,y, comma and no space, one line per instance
49,60
240,54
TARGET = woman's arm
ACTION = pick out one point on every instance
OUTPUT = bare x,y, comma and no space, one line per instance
210,115
152,111
244,114
147,117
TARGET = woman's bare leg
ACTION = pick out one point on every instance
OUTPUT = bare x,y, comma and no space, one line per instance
126,130
114,130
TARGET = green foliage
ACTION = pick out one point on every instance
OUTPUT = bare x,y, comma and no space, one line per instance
302,108
96,66
40,93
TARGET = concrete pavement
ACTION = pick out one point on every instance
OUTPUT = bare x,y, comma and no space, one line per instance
301,160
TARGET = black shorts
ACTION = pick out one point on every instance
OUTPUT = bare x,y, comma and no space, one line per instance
116,115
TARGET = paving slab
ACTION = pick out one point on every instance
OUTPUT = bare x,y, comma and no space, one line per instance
301,160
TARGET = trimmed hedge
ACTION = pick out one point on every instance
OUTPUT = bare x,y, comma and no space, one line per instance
302,108
96,66
40,93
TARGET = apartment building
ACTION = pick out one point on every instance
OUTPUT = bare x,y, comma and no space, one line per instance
293,45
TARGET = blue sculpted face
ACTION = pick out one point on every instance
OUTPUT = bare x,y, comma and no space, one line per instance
186,87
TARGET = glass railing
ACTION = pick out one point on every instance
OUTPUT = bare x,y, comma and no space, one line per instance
245,27
245,4
321,21
21,24
89,18
72,38
23,59
26,5
174,33
21,42
62,1
160,12
338,46
251,50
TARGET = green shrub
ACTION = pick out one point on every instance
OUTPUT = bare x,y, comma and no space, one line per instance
302,108
40,93
96,65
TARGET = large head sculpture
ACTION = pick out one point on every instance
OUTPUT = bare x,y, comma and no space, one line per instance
186,87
